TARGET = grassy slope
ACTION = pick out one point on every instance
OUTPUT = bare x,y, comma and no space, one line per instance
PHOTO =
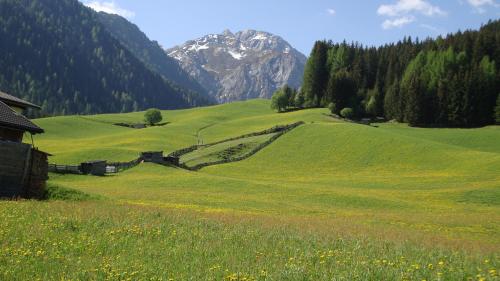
327,178
75,139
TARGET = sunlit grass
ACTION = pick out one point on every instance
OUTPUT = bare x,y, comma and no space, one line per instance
108,241
327,200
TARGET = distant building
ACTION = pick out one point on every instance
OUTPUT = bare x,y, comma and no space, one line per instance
23,168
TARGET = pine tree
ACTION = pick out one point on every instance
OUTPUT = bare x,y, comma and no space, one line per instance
342,89
299,99
485,91
392,108
442,102
414,105
316,75
497,110
455,103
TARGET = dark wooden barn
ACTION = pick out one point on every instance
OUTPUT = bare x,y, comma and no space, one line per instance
152,156
23,168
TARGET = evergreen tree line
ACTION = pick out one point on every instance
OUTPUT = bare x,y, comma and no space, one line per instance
59,55
451,81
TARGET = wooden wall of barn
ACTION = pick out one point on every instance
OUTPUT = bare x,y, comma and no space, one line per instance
23,170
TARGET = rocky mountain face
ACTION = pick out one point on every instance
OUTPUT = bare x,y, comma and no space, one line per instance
153,56
245,65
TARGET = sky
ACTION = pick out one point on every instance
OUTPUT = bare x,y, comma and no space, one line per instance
302,22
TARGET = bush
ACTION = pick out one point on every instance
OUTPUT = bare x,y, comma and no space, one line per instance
152,116
58,193
347,113
332,107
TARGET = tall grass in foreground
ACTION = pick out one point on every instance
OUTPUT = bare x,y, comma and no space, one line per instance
108,241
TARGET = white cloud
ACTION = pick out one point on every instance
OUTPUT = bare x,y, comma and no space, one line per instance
479,5
397,22
110,8
331,12
404,12
404,7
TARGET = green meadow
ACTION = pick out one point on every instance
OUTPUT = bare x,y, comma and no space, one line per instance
329,200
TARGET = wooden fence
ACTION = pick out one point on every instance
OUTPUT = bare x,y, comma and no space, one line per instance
65,169
117,167
111,168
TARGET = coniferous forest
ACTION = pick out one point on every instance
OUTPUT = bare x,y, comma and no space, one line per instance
59,55
451,81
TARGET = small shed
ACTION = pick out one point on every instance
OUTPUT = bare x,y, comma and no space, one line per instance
95,168
23,168
152,156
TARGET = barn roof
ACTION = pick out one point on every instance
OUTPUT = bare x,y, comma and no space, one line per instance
9,118
14,101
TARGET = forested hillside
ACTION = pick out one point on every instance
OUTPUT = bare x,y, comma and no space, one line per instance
57,54
452,81
150,53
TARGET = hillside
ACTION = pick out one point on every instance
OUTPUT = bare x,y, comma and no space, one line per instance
244,65
325,155
150,52
57,54
327,199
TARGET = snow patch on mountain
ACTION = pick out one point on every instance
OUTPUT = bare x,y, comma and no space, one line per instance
198,48
259,37
236,55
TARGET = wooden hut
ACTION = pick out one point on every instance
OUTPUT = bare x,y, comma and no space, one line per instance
23,168
152,156
95,168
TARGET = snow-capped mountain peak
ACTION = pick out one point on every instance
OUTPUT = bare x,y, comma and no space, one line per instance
213,58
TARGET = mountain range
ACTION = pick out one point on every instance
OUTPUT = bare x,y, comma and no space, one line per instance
243,65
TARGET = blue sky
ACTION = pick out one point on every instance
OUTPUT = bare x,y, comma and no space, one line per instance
301,22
